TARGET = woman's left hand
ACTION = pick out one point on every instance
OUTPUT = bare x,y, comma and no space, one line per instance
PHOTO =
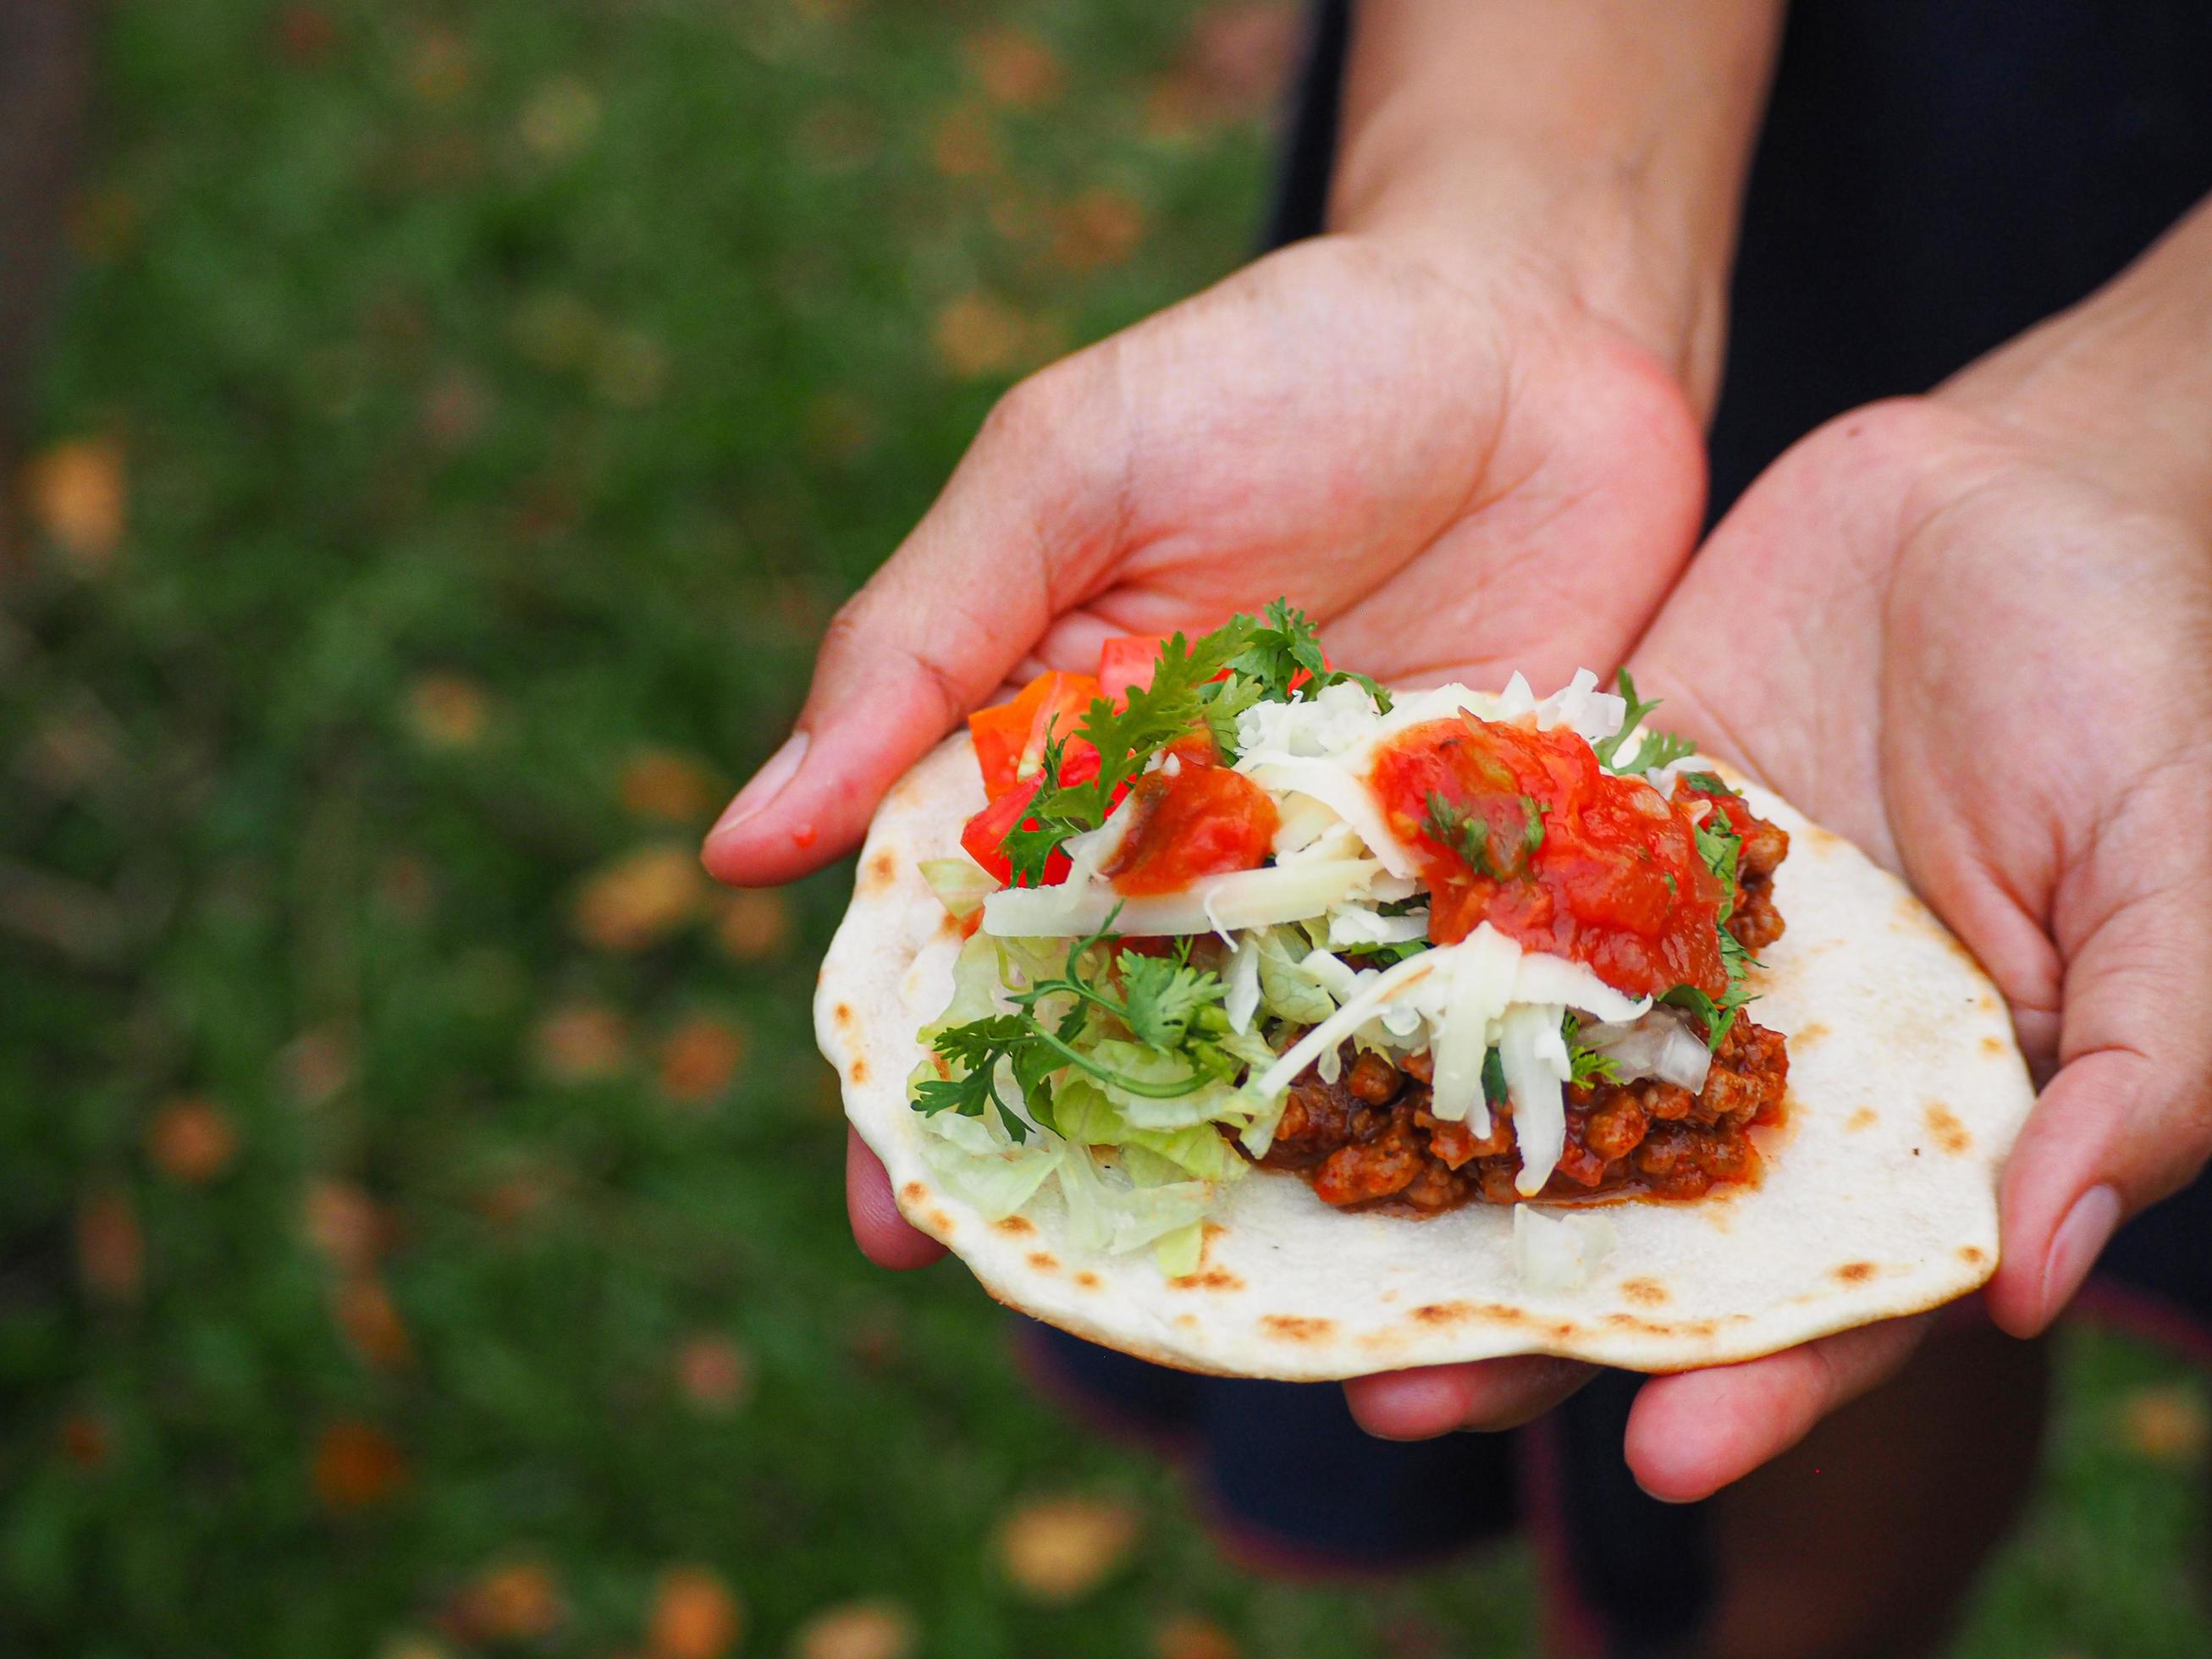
1971,632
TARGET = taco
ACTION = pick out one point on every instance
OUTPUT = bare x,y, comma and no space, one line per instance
1231,1010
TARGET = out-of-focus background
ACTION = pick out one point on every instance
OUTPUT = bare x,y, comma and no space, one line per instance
420,1195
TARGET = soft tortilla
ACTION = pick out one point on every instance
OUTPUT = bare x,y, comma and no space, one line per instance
1906,1092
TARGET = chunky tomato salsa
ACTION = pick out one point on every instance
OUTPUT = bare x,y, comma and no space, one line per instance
1367,1138
1523,829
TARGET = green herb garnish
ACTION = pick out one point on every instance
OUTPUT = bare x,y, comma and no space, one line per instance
1657,749
1590,1065
1468,834
1167,1005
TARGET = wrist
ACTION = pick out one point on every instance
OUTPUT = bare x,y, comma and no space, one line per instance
1599,145
1583,234
2121,383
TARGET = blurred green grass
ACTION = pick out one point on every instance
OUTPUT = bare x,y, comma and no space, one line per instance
424,1204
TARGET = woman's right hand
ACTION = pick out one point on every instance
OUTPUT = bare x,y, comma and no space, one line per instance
1454,477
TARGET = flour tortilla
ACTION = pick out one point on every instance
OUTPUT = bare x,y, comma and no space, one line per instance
1906,1092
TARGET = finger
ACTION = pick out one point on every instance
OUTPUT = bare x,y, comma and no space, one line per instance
2128,1117
1692,1433
1025,522
884,1236
1488,1394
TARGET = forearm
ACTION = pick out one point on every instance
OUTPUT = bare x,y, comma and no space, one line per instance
1604,141
2122,380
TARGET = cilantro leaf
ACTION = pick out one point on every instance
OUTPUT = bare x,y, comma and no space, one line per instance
1590,1065
1160,995
1286,645
1468,834
1657,749
1168,1005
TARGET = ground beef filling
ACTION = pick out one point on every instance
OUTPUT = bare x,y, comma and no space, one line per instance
1368,1137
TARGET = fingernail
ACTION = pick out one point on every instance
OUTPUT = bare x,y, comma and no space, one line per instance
2074,1248
766,784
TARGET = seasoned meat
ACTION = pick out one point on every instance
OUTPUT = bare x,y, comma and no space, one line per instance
1645,1138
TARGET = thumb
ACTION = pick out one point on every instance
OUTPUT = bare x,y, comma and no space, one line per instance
2128,1117
1022,527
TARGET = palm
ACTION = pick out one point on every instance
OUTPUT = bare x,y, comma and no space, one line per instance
1930,650
1455,481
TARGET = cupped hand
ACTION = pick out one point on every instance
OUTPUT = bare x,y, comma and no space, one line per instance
1455,474
1976,645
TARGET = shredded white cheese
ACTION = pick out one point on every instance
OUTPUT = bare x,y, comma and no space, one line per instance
1561,1252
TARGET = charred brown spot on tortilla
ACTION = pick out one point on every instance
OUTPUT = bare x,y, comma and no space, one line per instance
1293,1327
1993,1045
1950,1134
1807,1033
914,1192
1971,1256
1856,1273
1044,1261
884,867
842,1014
940,1223
1861,1119
1505,1313
1209,1278
1444,1313
1647,1291
859,1073
1087,1279
1367,1140
1015,1224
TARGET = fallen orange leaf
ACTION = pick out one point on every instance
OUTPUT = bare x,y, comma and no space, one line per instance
640,898
371,1322
356,1465
75,491
961,145
2165,1425
660,783
755,923
1016,68
694,1616
514,1602
1057,1550
699,1058
856,1629
448,711
1099,227
581,1043
110,1250
191,1139
85,1439
345,1223
714,1373
976,335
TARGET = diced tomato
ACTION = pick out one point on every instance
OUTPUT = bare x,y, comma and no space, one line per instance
1010,738
985,835
1126,663
1614,882
1191,822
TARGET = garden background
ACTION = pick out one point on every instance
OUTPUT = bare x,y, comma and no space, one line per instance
422,1202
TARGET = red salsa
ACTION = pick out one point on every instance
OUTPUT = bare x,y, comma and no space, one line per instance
1523,830
1191,819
